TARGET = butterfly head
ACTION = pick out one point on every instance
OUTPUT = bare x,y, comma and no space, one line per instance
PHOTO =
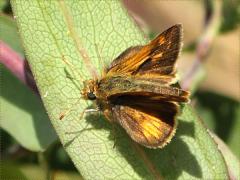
89,90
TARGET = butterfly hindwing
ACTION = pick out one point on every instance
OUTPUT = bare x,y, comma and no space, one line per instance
151,125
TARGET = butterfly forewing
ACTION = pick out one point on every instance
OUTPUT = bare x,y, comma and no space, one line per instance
155,60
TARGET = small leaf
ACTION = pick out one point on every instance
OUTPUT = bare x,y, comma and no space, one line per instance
9,34
3,4
11,171
231,160
32,171
75,31
223,119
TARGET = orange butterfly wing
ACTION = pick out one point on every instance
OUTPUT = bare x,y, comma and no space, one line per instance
136,84
151,125
155,60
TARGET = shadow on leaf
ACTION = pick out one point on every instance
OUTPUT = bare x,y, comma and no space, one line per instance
169,162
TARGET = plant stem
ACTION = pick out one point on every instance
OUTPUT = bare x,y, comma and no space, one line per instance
204,45
17,65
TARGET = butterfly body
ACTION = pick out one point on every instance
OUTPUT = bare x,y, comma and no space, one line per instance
137,90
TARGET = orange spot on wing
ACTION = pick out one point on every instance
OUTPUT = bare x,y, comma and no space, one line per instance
157,56
150,127
162,40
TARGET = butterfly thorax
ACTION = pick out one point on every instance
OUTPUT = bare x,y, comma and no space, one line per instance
91,92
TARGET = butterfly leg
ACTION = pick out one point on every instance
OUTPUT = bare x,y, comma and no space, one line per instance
89,111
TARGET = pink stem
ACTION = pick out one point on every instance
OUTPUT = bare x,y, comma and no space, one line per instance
16,65
203,46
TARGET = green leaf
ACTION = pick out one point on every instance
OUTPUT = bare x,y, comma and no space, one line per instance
9,34
3,4
10,170
32,171
22,113
55,30
231,160
223,119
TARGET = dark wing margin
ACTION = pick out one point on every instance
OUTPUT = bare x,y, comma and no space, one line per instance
151,125
157,57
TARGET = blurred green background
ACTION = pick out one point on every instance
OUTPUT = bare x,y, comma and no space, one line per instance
32,150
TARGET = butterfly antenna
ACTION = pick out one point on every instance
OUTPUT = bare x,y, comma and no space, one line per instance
99,56
73,69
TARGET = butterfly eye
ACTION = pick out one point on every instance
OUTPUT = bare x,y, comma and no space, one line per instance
91,96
